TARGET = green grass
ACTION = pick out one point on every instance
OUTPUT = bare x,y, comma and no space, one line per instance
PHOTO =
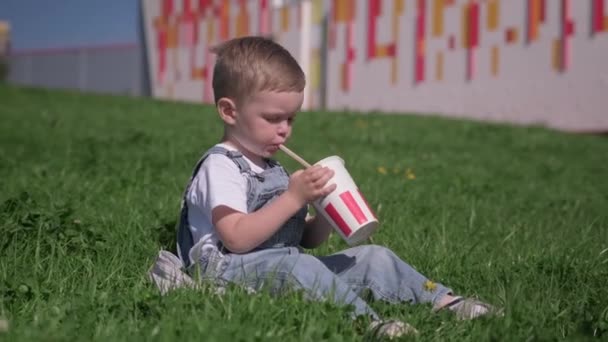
90,189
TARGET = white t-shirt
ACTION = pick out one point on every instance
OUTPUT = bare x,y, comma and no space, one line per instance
218,182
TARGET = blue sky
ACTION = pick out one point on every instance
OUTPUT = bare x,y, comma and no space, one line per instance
39,24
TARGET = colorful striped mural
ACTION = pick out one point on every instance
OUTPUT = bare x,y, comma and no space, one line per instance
521,61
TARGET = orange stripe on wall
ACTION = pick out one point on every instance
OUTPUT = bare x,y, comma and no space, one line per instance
317,11
495,60
557,53
399,6
438,7
439,66
242,22
315,68
533,19
225,20
172,35
511,35
342,10
210,29
285,18
493,14
381,51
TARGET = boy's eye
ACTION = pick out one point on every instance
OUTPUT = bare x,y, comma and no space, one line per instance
274,119
279,118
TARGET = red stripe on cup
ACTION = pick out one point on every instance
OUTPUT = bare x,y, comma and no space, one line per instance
353,207
367,204
335,216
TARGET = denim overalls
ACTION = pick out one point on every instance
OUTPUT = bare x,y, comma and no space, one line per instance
263,188
279,264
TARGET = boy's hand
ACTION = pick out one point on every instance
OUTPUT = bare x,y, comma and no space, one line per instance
309,185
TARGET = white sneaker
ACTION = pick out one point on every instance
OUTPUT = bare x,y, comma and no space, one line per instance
470,308
167,273
391,329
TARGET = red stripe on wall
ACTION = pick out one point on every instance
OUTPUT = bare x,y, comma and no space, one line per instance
162,38
350,55
333,214
372,13
391,50
203,5
598,16
187,7
567,30
331,31
353,207
167,8
420,33
474,25
543,11
263,17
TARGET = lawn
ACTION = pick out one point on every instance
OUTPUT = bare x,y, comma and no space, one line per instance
90,188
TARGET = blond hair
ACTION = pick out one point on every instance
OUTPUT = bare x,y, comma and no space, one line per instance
252,64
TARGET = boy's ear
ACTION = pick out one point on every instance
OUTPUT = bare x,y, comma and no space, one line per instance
227,110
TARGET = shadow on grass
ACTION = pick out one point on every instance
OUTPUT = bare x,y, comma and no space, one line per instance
166,235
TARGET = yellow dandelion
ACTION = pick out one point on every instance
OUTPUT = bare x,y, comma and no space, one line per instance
430,286
382,170
361,123
409,174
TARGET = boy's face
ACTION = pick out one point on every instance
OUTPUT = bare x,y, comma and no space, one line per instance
264,121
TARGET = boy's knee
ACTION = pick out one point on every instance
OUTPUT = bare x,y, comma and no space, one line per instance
377,252
376,256
309,263
311,271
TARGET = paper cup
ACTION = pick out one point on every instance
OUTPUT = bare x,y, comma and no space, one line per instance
346,208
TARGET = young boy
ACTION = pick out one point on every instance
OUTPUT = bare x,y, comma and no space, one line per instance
244,219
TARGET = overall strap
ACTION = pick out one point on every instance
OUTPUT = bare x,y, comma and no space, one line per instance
235,156
184,236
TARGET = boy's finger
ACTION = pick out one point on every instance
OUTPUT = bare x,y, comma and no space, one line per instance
323,172
329,189
324,177
313,171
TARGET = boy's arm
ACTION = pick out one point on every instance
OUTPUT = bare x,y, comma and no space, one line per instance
316,232
241,232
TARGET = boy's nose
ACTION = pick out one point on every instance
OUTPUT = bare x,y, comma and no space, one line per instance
283,128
